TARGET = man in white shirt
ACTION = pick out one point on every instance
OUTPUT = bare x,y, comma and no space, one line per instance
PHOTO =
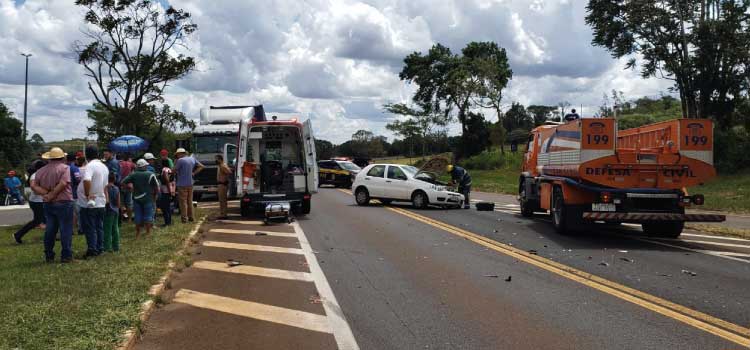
93,200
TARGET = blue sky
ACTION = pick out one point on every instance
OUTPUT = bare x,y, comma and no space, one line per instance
335,61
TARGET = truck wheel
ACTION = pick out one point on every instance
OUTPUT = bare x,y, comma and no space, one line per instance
563,217
245,210
419,200
361,196
306,207
669,229
527,210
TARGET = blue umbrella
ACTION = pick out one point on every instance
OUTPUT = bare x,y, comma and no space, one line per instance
128,143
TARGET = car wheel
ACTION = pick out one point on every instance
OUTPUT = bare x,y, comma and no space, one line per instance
361,196
419,200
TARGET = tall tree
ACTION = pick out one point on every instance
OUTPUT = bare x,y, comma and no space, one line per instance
703,46
420,123
12,148
541,113
154,124
517,118
130,56
323,149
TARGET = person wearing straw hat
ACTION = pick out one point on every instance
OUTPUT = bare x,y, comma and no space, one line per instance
52,182
185,169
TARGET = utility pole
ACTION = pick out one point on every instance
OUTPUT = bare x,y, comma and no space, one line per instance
25,95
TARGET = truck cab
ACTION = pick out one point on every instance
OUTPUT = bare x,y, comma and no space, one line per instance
276,163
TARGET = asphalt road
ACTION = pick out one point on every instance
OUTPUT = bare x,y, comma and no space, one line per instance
437,279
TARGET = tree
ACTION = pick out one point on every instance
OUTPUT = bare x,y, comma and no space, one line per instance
421,123
323,149
154,124
703,46
477,138
36,143
131,57
541,113
12,148
517,118
449,82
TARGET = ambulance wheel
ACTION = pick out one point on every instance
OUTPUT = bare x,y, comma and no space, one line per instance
563,215
669,229
306,207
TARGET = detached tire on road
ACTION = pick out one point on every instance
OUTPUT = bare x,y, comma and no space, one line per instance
420,200
669,229
362,196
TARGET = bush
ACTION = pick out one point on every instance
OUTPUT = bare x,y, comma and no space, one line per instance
491,160
731,150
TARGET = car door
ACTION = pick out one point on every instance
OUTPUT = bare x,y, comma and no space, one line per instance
375,181
397,185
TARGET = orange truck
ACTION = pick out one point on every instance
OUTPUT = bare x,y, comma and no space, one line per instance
586,171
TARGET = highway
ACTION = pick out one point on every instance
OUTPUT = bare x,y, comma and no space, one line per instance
391,277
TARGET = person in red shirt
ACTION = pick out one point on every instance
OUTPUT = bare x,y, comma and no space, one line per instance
53,183
126,191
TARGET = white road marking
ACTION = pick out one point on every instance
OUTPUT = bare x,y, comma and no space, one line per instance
254,271
253,232
238,222
255,247
717,237
275,314
702,251
341,331
703,242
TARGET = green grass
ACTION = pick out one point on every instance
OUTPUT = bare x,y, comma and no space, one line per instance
84,305
727,193
497,181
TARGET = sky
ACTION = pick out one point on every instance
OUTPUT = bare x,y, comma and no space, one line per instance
334,61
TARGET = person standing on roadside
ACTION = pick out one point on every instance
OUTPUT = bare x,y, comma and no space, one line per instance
185,169
113,165
126,190
167,192
145,191
75,179
14,186
222,178
36,202
149,157
165,156
93,201
111,215
53,182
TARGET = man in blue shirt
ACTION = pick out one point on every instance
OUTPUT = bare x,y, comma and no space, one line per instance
73,161
13,186
184,169
461,177
113,165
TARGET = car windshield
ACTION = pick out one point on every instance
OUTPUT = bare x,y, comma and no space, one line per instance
410,170
349,166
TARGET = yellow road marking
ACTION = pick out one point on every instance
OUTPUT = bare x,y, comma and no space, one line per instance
275,314
239,222
252,232
254,271
260,248
678,312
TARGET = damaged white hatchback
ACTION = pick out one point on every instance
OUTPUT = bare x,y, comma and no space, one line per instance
397,182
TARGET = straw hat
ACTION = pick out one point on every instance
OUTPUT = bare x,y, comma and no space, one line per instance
54,153
180,150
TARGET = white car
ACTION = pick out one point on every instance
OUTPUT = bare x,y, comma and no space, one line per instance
396,182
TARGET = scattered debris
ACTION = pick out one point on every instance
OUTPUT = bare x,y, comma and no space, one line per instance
627,260
315,299
604,263
492,276
622,251
198,252
545,246
495,231
688,272
532,252
508,279
258,233
665,275
233,263
514,233
589,258
381,259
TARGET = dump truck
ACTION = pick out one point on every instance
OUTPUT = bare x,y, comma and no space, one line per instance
585,171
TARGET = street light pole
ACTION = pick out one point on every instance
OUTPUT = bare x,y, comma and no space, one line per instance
25,94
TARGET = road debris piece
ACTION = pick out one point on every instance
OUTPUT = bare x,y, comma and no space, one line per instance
627,260
508,279
492,276
622,251
665,275
532,252
495,231
258,233
315,299
233,263
688,272
604,263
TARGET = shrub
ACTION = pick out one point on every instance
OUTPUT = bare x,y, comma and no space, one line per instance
491,160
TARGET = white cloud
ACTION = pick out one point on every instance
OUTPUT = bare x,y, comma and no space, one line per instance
335,61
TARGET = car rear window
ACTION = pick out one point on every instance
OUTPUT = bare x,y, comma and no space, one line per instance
377,171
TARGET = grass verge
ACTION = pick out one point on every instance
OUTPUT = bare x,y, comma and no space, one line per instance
720,230
727,193
84,305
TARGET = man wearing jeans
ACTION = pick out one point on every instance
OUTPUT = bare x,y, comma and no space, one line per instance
93,201
185,168
53,183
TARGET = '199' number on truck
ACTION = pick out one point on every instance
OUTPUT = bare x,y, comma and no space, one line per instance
598,139
695,140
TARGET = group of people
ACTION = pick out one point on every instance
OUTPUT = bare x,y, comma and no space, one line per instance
98,192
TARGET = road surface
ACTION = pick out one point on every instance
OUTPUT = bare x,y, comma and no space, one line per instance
392,277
